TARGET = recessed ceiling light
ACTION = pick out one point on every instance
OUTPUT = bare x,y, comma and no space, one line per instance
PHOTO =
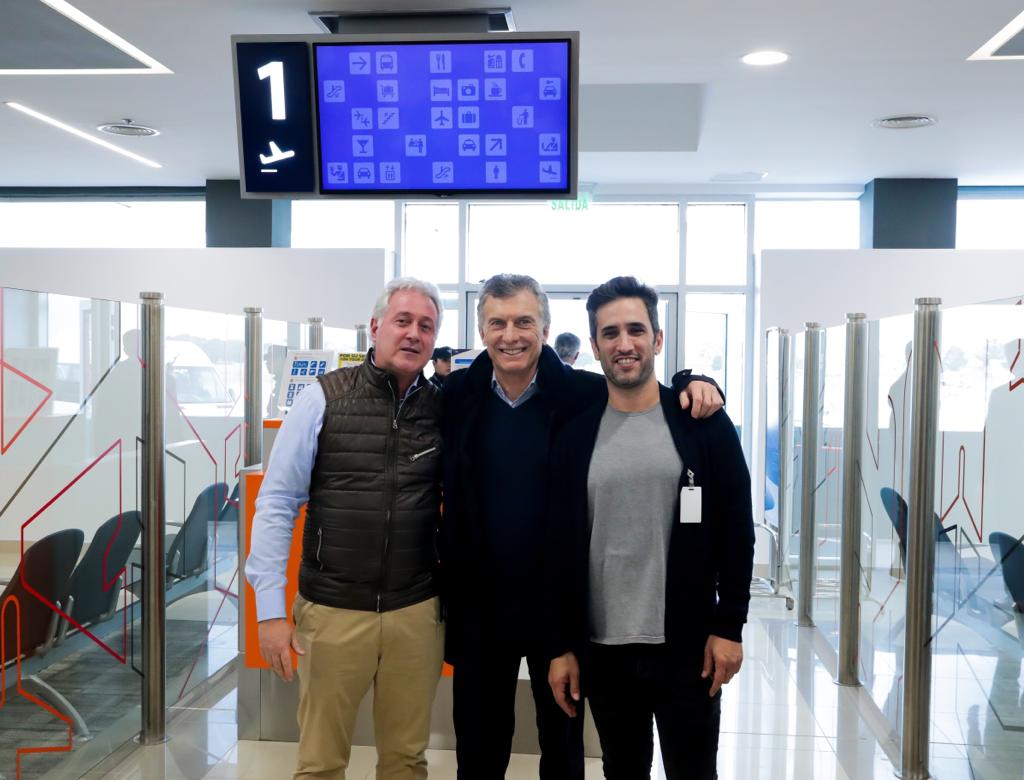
84,136
905,121
83,20
129,128
764,58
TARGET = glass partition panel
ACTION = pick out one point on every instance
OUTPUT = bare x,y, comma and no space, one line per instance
978,642
70,413
340,339
883,519
275,349
204,354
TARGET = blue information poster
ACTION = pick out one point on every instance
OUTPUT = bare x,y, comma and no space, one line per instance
445,116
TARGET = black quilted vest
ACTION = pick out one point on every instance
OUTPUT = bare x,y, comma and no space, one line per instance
374,496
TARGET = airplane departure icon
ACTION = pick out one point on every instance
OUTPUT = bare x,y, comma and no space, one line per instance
276,155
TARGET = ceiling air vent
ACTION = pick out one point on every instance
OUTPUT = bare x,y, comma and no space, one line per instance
904,122
127,127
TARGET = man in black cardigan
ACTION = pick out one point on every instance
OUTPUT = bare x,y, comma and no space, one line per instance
649,554
500,415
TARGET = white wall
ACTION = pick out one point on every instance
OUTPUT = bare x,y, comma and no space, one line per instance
806,285
290,284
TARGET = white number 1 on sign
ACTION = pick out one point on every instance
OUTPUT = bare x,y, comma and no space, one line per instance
275,72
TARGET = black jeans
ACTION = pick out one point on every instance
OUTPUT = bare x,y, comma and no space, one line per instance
484,690
631,685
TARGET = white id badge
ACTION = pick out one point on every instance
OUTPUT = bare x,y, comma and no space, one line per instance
689,505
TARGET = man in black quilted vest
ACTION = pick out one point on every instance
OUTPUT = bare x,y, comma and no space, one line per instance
362,450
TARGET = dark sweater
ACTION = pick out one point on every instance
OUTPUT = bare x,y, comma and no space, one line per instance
512,474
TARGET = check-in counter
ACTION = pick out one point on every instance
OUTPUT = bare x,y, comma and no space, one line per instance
267,706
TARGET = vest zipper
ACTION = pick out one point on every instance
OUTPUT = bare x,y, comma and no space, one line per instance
418,455
391,466
319,543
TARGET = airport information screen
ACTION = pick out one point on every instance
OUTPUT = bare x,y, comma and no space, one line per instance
444,116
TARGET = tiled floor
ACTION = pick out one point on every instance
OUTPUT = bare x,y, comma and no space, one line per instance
782,718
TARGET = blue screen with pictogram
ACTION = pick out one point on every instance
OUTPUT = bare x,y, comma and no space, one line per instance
445,116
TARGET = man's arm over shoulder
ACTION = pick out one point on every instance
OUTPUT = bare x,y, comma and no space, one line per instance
285,489
698,393
734,526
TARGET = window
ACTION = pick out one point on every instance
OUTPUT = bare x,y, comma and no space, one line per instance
807,224
579,245
715,343
431,242
716,243
104,224
983,223
349,224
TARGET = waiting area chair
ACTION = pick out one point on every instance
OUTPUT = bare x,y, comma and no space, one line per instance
29,625
1010,555
187,548
95,584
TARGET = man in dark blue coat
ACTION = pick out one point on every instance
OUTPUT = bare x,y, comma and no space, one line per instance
500,415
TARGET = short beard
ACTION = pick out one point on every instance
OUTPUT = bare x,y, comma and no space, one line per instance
645,374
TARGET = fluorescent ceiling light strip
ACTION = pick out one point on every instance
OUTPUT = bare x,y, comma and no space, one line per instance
997,41
66,9
85,136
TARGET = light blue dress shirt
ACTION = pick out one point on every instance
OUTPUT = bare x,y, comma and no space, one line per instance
527,394
285,489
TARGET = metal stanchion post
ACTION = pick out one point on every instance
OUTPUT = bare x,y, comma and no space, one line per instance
154,615
854,413
814,340
917,663
253,385
362,338
785,455
316,332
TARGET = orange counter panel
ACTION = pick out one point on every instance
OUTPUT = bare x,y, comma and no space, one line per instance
253,659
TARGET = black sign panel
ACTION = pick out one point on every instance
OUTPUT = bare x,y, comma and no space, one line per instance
274,117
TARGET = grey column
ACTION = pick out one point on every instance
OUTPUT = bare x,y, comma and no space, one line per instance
814,342
253,385
854,413
921,541
154,615
908,214
362,338
316,332
234,221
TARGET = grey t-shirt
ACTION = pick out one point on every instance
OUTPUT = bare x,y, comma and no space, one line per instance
632,489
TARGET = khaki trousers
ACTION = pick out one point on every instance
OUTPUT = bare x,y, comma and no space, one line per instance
399,653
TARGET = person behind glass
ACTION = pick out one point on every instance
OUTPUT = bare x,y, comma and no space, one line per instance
567,347
362,449
442,360
499,415
649,554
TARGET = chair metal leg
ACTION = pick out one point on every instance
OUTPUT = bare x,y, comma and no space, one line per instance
54,698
